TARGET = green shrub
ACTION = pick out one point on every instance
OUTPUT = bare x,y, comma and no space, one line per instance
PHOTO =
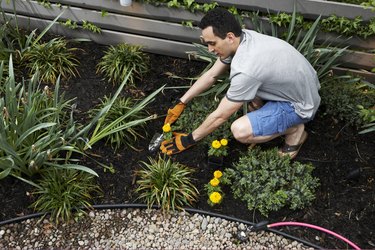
166,184
64,192
347,27
120,107
51,60
368,118
119,60
268,182
340,100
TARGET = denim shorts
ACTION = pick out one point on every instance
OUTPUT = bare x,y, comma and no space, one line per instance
273,118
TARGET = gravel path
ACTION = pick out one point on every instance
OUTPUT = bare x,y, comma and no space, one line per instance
138,229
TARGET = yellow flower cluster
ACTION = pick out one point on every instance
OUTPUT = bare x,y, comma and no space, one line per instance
217,144
167,131
166,128
214,191
218,148
215,197
218,174
214,182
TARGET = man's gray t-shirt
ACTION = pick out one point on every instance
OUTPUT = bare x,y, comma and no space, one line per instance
273,70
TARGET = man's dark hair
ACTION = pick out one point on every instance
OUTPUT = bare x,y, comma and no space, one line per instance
222,22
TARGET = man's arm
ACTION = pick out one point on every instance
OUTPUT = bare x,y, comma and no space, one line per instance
181,142
205,81
225,109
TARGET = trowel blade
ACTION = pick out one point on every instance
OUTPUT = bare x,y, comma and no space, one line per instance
155,142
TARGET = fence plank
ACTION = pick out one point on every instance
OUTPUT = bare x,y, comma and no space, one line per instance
109,37
115,22
308,8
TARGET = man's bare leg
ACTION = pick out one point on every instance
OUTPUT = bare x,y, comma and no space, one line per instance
243,132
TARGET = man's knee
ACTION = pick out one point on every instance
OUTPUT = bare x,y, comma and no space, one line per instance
241,132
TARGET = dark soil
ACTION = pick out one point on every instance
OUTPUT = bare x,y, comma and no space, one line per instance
343,160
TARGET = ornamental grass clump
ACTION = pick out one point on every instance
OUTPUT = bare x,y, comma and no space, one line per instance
166,183
120,59
218,148
64,193
213,189
51,59
268,182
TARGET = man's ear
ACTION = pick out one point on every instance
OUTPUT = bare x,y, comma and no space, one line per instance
231,36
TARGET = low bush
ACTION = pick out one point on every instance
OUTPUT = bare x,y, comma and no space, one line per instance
342,100
268,182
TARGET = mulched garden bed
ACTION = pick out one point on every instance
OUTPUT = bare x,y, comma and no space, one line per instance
343,160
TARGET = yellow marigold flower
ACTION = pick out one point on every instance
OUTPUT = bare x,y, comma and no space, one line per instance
218,174
214,182
216,144
215,197
224,142
166,128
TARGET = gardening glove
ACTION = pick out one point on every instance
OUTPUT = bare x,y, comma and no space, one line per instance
177,144
174,113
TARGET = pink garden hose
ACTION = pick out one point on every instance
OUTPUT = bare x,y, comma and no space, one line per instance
290,223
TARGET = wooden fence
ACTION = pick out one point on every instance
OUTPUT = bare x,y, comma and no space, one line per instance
159,29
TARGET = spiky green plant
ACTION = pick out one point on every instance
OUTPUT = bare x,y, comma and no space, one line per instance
64,193
119,60
15,41
51,59
166,183
37,130
103,130
120,108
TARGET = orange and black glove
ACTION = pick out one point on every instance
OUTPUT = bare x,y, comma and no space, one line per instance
174,113
177,144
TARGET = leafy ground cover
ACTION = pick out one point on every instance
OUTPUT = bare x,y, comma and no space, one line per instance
343,159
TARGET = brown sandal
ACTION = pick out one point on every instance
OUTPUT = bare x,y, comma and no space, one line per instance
292,150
